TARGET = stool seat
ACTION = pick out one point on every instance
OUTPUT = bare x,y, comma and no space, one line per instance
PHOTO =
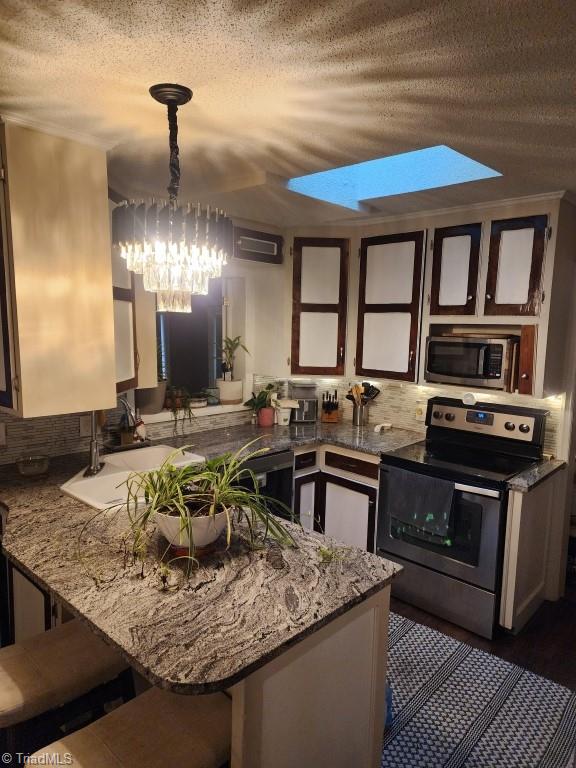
154,730
51,669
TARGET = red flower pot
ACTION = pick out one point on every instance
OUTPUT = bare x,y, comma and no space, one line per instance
266,417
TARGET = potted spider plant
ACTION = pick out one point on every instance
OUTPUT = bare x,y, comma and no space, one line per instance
230,391
193,505
261,404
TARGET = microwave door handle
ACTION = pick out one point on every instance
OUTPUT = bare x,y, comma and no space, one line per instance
481,358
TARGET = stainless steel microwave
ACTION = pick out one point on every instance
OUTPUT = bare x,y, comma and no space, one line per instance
472,361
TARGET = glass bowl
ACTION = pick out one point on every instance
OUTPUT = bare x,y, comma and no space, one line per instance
30,466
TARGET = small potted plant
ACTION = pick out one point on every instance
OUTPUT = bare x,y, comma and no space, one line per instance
230,390
178,402
193,505
261,404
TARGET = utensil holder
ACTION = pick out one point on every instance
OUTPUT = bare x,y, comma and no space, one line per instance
360,415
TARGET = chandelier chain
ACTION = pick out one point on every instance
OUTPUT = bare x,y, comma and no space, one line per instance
174,185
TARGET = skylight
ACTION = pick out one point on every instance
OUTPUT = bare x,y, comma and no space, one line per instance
414,171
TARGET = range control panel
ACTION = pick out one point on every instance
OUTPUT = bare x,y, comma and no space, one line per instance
472,419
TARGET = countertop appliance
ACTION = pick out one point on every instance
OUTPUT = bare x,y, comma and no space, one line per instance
473,361
442,506
307,411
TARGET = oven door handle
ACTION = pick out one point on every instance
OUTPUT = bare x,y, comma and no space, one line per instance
477,491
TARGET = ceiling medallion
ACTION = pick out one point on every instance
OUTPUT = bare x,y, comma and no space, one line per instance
175,248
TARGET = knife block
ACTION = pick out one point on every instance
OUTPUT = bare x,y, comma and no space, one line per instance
330,417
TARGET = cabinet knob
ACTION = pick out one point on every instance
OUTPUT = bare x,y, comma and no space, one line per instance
469,298
524,376
489,296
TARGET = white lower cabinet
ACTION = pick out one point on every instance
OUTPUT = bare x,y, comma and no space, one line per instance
347,511
305,500
31,610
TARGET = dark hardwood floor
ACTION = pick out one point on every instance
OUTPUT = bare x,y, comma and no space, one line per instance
546,645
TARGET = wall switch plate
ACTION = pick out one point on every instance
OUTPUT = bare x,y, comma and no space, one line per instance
2,435
85,425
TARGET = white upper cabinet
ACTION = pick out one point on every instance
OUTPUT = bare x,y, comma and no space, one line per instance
56,300
455,260
319,299
389,305
515,266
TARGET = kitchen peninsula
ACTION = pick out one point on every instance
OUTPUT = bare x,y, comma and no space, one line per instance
248,622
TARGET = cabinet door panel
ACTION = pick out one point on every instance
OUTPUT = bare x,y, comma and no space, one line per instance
319,302
455,259
347,511
454,275
320,280
516,261
124,340
346,516
386,344
319,339
125,349
389,305
390,273
306,500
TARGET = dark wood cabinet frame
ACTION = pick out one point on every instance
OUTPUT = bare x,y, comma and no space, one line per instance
526,360
6,395
475,233
413,308
352,464
320,503
340,308
532,306
264,258
129,295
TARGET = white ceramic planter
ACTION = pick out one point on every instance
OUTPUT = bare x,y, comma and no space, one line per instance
230,391
205,529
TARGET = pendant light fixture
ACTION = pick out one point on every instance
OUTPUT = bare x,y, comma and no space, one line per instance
176,249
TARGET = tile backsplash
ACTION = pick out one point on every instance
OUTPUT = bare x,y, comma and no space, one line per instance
398,403
58,435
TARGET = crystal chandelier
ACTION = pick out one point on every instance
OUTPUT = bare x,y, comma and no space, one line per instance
176,249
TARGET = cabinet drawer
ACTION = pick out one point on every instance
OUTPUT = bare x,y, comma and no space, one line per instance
351,464
305,460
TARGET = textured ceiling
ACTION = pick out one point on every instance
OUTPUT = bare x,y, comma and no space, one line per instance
286,88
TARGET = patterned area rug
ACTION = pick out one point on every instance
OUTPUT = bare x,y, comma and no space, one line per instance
457,707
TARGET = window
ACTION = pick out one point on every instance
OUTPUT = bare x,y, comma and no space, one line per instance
190,345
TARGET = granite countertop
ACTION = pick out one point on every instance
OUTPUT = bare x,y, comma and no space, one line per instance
215,441
530,478
363,439
240,608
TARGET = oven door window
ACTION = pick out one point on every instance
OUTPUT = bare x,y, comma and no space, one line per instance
460,359
462,539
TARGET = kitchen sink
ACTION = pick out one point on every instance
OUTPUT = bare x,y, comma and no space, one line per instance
108,488
142,459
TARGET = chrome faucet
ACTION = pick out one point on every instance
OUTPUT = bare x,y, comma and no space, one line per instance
95,464
128,410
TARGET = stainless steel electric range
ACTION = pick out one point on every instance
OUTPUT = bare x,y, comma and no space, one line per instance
442,506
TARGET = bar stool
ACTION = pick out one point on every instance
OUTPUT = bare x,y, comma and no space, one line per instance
53,677
154,730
